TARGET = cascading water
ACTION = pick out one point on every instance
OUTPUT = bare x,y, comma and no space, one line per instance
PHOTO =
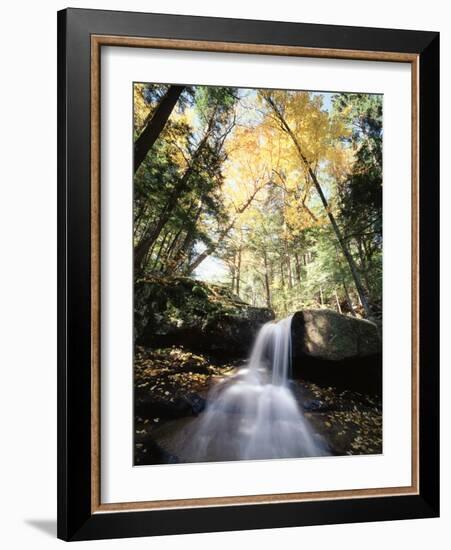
254,414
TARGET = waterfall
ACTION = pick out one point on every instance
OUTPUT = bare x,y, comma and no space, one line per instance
272,350
254,414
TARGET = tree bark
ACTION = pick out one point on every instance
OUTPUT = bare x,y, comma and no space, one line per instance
337,301
282,275
160,250
233,271
298,267
348,297
267,287
170,249
153,129
363,266
238,272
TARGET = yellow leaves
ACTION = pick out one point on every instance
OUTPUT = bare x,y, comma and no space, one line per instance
310,125
249,165
250,154
141,108
318,133
340,160
264,164
298,218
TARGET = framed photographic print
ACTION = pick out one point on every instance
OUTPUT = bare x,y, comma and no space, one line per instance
248,274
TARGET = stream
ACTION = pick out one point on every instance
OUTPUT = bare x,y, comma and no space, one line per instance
253,414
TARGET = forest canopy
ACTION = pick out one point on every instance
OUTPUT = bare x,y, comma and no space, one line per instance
275,194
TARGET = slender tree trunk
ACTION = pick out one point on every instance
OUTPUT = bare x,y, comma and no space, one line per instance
238,272
267,286
153,129
337,301
172,244
180,255
160,250
290,275
233,271
138,217
348,297
298,267
143,227
363,266
352,265
345,286
282,275
173,199
283,282
168,261
210,249
147,259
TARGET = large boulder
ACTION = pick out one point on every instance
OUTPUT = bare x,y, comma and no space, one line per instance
200,316
325,334
337,350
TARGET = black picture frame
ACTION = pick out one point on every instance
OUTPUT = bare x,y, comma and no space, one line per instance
76,521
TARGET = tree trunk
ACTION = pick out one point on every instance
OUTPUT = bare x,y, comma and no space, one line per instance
173,199
363,266
290,275
298,267
210,249
153,129
348,297
160,250
282,275
238,272
267,287
233,271
179,255
352,265
337,301
171,249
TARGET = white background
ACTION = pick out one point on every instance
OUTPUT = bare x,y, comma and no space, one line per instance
28,273
120,482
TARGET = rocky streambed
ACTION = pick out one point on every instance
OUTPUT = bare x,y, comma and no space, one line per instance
171,391
190,335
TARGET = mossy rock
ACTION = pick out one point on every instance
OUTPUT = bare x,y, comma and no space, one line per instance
337,350
325,334
197,315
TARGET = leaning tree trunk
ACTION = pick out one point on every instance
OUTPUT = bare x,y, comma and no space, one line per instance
212,247
153,129
141,249
347,254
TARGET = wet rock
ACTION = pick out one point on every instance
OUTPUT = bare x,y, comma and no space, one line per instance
196,403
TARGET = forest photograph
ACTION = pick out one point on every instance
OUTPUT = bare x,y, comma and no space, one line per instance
257,280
